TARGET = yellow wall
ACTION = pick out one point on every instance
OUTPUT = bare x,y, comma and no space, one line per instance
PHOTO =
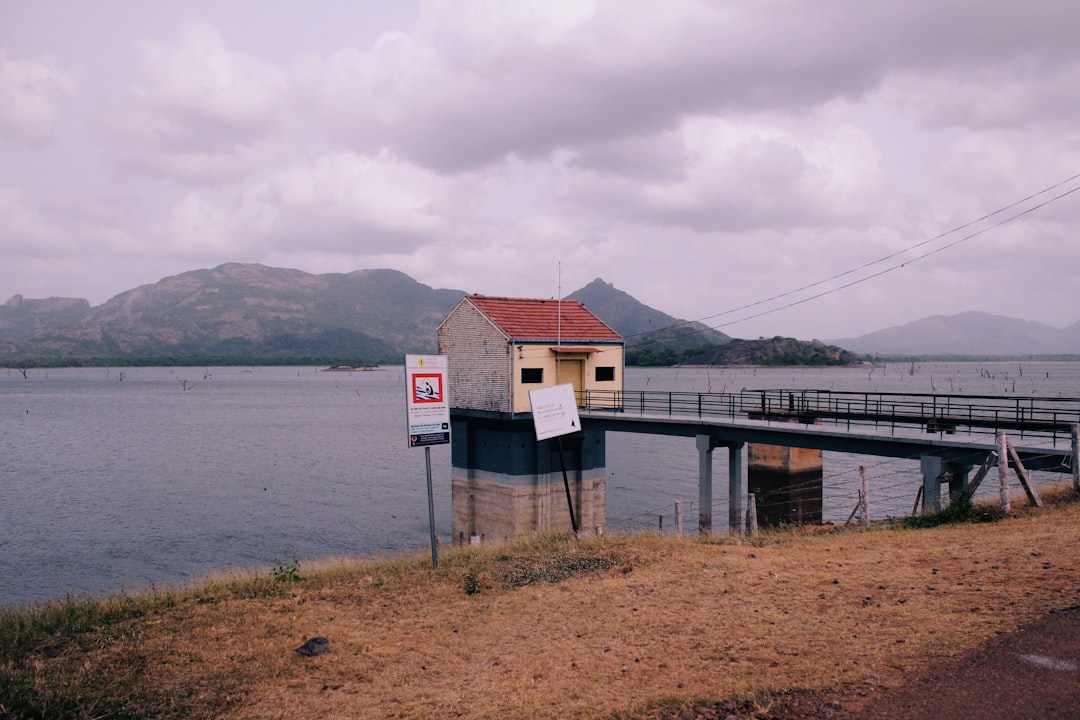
544,357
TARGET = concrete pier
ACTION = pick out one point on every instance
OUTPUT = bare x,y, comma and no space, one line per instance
506,485
787,483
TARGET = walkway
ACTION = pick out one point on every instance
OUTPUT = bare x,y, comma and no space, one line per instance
730,420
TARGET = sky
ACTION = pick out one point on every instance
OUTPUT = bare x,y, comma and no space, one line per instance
772,167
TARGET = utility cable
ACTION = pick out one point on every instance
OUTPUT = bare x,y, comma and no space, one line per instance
870,264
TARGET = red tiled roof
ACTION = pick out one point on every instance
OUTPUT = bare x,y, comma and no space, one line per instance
532,319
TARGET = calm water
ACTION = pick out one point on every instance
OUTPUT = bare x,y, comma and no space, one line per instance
135,477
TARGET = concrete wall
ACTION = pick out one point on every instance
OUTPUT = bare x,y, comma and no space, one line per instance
506,485
787,483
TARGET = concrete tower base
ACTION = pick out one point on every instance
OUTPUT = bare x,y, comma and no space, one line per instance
506,485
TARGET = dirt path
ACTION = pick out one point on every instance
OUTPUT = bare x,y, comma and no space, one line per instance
1033,672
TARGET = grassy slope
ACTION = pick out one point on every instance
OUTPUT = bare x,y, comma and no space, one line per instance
553,629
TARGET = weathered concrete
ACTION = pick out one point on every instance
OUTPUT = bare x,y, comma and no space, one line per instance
506,485
787,482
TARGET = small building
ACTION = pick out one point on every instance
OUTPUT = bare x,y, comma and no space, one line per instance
500,348
506,483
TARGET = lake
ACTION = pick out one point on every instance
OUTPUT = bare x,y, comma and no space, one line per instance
141,477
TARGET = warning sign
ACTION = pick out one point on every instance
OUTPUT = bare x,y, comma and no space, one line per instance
427,404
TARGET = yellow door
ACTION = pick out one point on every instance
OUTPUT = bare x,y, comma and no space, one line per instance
572,371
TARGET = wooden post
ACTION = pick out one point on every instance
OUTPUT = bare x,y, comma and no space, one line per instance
751,514
678,518
865,484
1003,472
1076,457
1024,476
980,475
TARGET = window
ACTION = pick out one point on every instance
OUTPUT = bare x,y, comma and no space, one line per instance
605,374
532,375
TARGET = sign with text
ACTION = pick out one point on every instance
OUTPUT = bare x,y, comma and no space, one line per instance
427,404
554,411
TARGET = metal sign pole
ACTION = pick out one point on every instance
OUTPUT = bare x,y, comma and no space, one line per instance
428,410
566,484
431,510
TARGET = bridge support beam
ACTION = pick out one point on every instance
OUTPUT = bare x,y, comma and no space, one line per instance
958,479
736,511
932,470
705,446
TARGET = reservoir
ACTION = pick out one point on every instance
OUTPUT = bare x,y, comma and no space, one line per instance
134,478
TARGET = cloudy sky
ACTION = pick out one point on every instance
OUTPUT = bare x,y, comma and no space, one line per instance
715,160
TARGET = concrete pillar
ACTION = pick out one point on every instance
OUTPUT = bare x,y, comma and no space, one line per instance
787,482
705,447
958,479
735,489
932,470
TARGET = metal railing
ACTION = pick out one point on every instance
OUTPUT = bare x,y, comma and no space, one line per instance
938,413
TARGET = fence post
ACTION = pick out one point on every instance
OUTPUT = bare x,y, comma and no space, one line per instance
1076,457
1003,472
678,518
865,483
751,514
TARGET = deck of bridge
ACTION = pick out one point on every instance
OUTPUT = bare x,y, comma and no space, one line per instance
794,428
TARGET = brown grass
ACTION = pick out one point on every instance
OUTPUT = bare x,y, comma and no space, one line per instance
611,627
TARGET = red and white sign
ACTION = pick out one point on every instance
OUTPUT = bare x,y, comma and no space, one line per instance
427,404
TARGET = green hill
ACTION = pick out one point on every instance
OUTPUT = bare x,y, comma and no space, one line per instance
648,332
252,313
776,351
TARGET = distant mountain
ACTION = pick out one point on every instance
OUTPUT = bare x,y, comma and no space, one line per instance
969,333
249,313
641,325
21,318
777,351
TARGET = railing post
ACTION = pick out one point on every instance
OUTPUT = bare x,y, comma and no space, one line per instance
1076,457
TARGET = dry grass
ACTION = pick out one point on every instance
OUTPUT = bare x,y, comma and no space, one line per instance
614,627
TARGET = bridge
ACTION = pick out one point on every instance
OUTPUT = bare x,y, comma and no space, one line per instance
880,424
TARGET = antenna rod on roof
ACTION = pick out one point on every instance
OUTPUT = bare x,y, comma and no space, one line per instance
558,339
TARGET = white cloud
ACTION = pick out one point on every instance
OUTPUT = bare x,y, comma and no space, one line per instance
199,76
30,95
24,230
338,202
698,155
197,111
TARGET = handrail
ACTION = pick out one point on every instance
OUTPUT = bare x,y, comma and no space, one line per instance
939,413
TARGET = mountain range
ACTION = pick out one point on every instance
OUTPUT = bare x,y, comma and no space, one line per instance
253,313
970,334
250,313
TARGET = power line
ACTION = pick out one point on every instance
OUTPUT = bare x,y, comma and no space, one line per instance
872,263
